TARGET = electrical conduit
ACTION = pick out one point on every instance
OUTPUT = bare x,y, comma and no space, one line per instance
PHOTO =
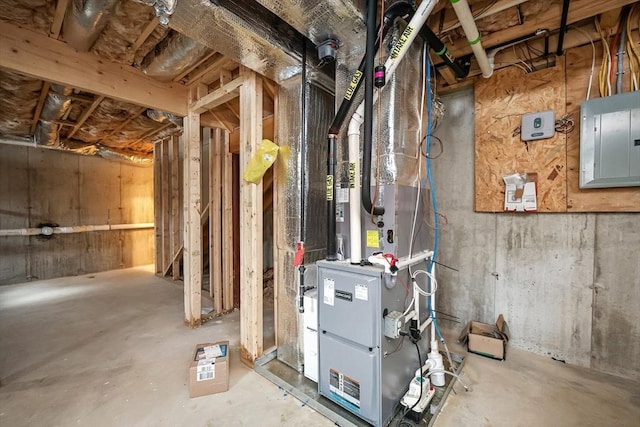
397,53
461,8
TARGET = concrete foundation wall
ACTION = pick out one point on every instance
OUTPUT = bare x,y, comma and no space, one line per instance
46,186
567,284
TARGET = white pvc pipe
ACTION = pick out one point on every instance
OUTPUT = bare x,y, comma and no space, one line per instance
407,262
398,52
461,8
498,7
74,229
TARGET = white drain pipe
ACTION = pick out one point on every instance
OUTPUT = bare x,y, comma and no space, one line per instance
461,7
397,53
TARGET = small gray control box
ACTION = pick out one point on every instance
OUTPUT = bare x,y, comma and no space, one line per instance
393,323
540,125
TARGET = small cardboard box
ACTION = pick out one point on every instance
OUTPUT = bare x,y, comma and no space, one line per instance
486,339
209,369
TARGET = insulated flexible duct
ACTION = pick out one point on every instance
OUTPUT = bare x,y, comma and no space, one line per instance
55,106
85,21
172,56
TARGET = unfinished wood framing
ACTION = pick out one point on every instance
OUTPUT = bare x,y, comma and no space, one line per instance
218,97
167,256
41,57
215,218
157,202
176,240
43,95
227,225
193,205
251,277
85,115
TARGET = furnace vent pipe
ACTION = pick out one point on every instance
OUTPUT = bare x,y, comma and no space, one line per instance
398,52
85,21
461,8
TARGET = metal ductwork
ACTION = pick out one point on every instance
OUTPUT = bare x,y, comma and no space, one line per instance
172,56
319,20
55,107
85,21
272,50
164,117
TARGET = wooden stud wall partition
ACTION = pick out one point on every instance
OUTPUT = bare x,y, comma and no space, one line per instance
251,333
501,100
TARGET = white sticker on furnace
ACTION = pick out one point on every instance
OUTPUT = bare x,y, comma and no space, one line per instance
329,291
362,292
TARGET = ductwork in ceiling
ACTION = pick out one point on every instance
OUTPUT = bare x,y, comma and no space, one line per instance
172,56
164,117
85,21
318,20
262,48
55,107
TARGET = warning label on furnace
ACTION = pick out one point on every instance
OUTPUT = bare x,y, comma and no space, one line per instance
345,388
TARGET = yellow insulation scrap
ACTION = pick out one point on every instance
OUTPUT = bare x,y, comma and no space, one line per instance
261,161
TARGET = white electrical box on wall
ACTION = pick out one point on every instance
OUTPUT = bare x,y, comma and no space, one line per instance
540,125
610,141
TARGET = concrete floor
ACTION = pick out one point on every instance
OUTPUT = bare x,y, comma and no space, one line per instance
111,349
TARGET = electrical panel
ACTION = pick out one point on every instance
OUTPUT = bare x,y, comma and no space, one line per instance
610,141
540,125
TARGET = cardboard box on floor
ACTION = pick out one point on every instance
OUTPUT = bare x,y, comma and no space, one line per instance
209,369
486,339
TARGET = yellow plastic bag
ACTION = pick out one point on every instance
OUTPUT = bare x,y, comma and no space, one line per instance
261,161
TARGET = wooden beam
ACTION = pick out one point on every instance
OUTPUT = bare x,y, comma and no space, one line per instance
489,7
85,115
145,35
176,242
227,225
167,253
225,124
193,204
219,96
251,289
157,205
58,18
215,217
192,67
43,95
155,131
209,72
41,57
549,19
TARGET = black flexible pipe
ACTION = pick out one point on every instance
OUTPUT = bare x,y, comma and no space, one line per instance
460,70
563,27
372,11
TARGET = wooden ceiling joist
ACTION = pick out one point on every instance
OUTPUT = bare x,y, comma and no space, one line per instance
58,18
193,67
155,131
85,115
145,34
124,124
41,57
43,95
218,97
486,8
549,19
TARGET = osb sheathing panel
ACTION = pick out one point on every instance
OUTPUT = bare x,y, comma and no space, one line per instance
500,103
596,199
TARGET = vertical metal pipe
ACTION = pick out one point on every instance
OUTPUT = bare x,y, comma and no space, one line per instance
303,173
